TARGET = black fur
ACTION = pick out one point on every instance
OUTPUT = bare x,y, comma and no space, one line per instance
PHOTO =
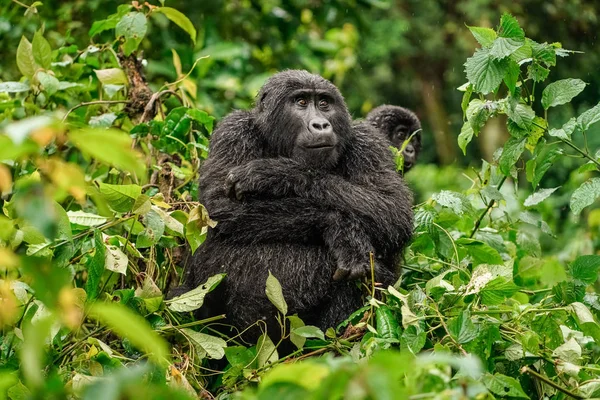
302,215
397,124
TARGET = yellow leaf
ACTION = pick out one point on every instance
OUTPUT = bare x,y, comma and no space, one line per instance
5,179
9,306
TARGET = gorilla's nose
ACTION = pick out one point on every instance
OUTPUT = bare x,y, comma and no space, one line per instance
409,150
319,126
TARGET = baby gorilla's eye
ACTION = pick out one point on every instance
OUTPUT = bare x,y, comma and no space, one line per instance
323,103
301,102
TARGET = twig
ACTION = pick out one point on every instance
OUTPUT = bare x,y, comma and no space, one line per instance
91,103
443,323
488,208
527,370
151,104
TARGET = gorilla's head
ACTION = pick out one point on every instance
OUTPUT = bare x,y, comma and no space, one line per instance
303,116
398,124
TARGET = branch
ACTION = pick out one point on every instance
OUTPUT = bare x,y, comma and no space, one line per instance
527,370
488,208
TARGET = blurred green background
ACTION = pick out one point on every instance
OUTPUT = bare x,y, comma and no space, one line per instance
405,52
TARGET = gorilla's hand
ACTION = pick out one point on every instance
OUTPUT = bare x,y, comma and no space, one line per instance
354,270
236,184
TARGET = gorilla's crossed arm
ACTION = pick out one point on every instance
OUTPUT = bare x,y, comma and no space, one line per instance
356,207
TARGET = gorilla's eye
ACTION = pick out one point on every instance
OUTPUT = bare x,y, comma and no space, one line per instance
323,104
301,102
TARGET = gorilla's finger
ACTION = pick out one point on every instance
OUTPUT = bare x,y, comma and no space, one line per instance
356,273
340,274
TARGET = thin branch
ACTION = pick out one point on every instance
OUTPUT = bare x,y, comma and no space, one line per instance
488,208
91,103
527,370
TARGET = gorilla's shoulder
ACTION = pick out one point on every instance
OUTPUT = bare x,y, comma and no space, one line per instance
369,140
239,119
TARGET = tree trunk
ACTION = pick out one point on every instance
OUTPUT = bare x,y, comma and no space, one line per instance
445,143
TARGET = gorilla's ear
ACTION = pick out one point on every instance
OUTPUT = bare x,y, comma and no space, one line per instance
261,102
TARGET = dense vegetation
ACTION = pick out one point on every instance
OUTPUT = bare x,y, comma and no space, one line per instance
98,178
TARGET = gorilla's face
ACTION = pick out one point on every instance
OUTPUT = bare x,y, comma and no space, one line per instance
314,111
304,116
398,136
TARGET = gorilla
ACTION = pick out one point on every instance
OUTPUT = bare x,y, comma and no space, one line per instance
398,124
299,191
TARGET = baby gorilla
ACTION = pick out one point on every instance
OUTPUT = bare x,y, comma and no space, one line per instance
398,124
299,191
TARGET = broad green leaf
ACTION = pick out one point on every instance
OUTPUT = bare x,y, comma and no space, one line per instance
194,299
85,219
206,345
308,375
465,137
521,114
267,352
110,22
25,61
585,268
585,195
497,291
535,220
132,27
539,196
42,52
110,146
275,294
13,87
485,72
103,121
112,76
457,202
512,75
202,117
386,322
509,28
483,274
120,198
95,266
155,228
466,100
479,112
414,338
34,350
116,260
480,252
541,162
588,118
570,351
565,131
485,36
504,47
171,223
309,331
127,324
513,148
561,92
49,83
180,19
504,386
295,323
462,328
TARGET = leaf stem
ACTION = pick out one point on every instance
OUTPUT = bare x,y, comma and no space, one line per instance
91,103
527,370
487,209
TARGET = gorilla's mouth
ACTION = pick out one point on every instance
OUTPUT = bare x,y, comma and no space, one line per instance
316,146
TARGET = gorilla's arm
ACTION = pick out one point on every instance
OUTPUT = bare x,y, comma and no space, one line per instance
369,189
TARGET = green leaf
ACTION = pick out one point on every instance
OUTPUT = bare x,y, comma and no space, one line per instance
540,164
127,324
504,47
585,268
25,60
485,36
465,137
206,345
513,148
112,76
42,52
497,291
49,83
110,22
13,87
95,266
85,219
120,198
110,146
267,352
457,202
275,294
194,299
295,323
462,328
309,331
308,375
509,28
539,196
521,114
512,75
414,338
503,386
565,131
481,252
561,92
155,228
585,195
386,323
132,27
202,117
180,19
485,72
588,118
116,260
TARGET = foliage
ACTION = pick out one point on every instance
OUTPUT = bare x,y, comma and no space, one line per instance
98,176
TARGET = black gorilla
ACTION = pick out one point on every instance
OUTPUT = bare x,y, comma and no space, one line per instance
397,124
298,191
